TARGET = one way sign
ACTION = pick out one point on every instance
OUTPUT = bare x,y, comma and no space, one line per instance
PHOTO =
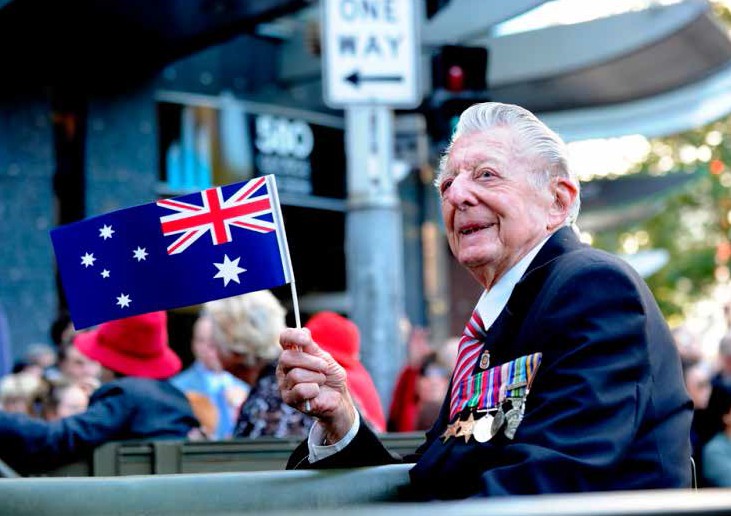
370,51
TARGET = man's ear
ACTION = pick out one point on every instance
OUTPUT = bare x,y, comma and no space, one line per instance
564,193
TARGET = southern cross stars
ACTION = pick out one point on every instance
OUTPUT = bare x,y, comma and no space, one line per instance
88,260
229,270
140,253
123,300
106,231
105,273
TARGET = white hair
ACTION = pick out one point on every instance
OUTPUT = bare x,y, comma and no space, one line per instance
536,138
248,324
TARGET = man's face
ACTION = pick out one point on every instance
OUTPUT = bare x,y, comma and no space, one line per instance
493,215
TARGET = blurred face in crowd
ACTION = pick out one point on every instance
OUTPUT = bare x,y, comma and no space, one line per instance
688,344
698,384
204,346
72,400
77,367
447,354
494,215
432,383
15,404
726,364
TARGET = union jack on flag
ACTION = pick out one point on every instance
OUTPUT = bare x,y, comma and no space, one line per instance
145,258
216,215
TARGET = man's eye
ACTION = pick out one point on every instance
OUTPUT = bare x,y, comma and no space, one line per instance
445,184
485,173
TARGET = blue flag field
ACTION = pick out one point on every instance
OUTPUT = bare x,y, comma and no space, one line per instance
175,252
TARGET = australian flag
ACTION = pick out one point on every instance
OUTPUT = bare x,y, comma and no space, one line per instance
182,251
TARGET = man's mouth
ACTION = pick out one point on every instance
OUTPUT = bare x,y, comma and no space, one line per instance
473,229
468,230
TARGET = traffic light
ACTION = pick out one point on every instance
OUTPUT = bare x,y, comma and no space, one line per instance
457,68
459,79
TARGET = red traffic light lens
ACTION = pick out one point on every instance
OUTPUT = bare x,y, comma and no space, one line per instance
455,78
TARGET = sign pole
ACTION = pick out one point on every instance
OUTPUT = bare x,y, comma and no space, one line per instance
374,243
371,66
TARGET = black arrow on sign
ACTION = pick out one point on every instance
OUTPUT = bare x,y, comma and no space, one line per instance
356,78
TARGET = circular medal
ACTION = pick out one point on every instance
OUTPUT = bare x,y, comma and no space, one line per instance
483,429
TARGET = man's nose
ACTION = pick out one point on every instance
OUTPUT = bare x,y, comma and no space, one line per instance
459,192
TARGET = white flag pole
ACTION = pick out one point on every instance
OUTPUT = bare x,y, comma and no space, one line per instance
295,305
284,252
298,322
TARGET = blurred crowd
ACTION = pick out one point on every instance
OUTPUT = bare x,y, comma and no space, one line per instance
708,381
232,391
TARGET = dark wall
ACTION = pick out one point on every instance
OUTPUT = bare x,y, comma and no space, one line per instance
27,287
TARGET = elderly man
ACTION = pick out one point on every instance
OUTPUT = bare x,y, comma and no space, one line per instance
567,377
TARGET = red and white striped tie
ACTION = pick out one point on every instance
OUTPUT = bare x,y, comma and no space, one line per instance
469,349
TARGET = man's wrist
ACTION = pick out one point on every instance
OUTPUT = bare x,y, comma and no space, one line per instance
336,428
319,451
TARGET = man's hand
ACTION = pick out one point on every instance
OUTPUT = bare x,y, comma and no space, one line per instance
307,373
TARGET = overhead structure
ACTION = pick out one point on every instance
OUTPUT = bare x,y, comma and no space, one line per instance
463,20
672,112
657,71
96,41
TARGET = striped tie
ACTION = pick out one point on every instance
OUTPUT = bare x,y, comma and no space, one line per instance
470,346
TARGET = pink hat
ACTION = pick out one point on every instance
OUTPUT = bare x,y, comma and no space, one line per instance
135,346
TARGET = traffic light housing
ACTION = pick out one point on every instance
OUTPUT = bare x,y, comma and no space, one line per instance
458,68
459,80
434,6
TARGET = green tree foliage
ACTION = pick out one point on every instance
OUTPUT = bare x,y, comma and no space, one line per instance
694,224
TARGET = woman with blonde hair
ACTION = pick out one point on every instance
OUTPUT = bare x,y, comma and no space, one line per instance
246,331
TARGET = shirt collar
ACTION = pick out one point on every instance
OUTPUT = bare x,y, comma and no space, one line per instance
492,301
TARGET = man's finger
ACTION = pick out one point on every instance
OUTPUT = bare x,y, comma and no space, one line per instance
306,391
293,358
300,338
299,375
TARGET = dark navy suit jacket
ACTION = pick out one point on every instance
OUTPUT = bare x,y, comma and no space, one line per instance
127,408
607,410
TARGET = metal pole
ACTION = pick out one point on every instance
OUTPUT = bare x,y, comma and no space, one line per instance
374,243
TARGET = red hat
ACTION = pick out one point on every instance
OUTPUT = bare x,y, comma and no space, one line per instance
336,335
340,337
135,346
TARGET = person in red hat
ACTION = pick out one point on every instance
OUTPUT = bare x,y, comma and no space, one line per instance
135,401
341,338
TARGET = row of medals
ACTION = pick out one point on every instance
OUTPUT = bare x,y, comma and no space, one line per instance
488,423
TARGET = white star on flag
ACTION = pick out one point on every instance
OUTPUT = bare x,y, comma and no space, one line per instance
140,253
88,259
106,232
229,270
105,273
123,300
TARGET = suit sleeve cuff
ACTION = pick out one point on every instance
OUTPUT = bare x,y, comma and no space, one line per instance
321,451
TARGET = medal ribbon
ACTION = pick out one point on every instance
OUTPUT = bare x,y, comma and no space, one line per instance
488,389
